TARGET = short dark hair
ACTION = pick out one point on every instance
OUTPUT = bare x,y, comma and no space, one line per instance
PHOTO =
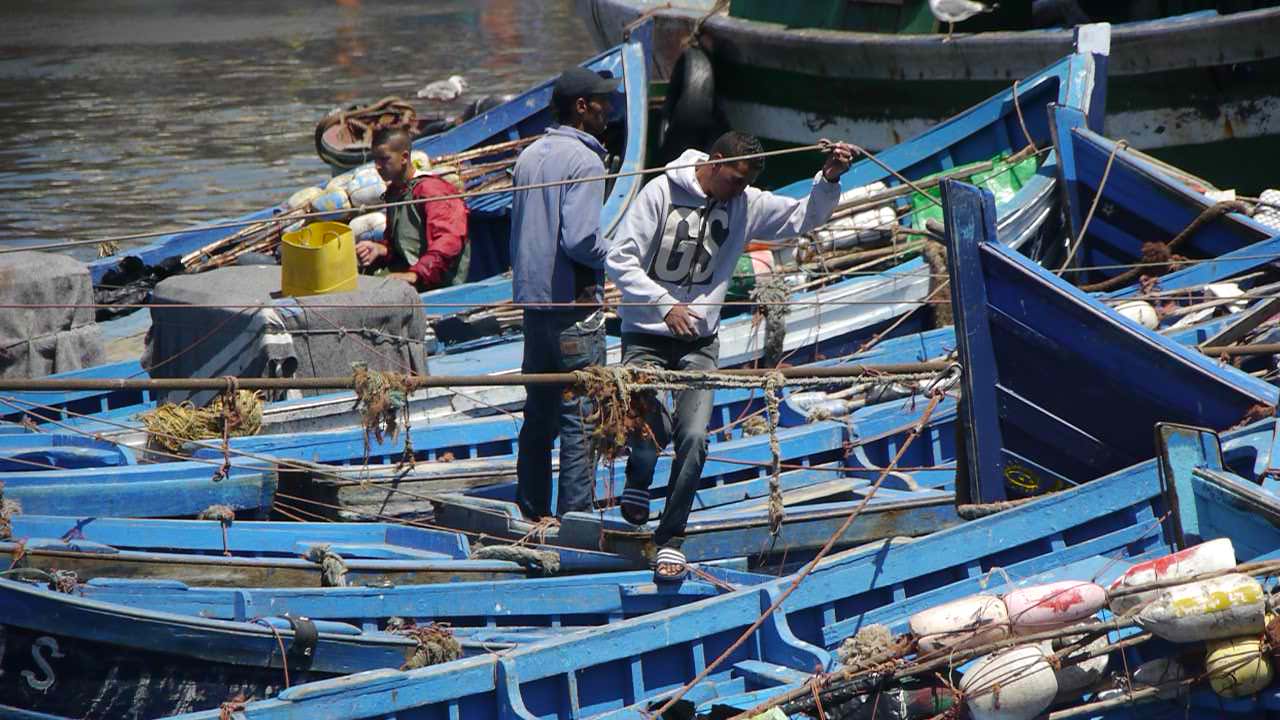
562,108
397,137
735,144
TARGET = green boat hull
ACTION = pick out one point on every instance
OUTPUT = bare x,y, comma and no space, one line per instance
1203,92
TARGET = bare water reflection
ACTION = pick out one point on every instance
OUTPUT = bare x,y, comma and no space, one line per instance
135,115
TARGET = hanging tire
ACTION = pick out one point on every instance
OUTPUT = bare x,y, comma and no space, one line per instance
689,108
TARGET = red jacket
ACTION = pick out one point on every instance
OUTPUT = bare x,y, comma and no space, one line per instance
444,231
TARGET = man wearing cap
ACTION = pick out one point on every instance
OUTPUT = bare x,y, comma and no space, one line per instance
557,262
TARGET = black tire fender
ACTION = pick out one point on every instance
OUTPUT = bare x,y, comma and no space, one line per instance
689,107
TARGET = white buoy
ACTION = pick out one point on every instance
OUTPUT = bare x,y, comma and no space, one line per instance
1166,673
1141,312
370,226
303,197
340,182
1212,556
1044,607
966,622
334,202
1075,676
1223,607
366,187
1016,684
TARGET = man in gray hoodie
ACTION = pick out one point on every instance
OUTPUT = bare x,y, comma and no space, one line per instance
557,264
672,258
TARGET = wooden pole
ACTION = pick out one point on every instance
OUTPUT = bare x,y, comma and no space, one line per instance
345,382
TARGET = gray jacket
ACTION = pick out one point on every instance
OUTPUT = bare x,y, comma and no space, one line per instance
557,251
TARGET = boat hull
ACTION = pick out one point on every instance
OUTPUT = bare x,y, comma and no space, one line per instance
1189,88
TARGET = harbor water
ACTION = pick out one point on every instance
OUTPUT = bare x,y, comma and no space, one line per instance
129,116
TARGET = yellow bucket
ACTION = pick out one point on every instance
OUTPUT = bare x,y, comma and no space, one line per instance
319,258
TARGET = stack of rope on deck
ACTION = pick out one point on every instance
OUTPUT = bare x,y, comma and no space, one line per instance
172,426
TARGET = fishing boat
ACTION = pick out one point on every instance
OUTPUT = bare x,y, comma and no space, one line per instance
68,656
342,136
871,74
1092,532
1018,323
478,151
227,552
976,141
547,604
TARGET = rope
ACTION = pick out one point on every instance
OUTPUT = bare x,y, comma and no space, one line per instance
225,516
545,562
1157,253
1017,107
975,511
436,644
777,511
293,217
935,257
1093,207
380,399
230,418
8,509
333,571
228,709
937,392
172,426
871,641
64,581
770,297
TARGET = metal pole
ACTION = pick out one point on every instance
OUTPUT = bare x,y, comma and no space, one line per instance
344,382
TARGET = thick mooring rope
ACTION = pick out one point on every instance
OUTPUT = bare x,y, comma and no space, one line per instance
771,296
333,571
545,562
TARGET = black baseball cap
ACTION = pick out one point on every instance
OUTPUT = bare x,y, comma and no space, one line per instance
578,81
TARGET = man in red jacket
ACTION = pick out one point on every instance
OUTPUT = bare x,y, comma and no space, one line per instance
425,243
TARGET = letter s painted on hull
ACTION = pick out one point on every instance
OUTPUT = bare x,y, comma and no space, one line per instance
51,644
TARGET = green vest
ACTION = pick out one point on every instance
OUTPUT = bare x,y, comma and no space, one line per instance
405,223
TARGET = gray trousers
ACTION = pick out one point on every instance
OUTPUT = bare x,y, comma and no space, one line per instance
688,428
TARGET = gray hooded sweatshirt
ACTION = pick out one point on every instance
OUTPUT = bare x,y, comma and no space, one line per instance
677,245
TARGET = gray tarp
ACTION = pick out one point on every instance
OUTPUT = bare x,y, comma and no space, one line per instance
290,337
38,341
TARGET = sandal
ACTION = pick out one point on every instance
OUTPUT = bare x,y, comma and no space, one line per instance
675,564
635,506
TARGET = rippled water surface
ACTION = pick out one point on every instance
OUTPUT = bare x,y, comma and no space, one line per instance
122,117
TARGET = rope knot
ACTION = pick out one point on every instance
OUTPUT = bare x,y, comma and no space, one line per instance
64,581
333,571
436,644
228,709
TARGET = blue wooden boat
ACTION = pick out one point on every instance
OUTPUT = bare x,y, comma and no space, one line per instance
526,115
1018,324
250,554
852,310
1092,531
177,489
549,604
67,656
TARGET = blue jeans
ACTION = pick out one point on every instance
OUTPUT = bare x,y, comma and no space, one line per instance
557,341
688,429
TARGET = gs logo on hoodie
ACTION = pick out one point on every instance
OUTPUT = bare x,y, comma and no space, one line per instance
688,243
